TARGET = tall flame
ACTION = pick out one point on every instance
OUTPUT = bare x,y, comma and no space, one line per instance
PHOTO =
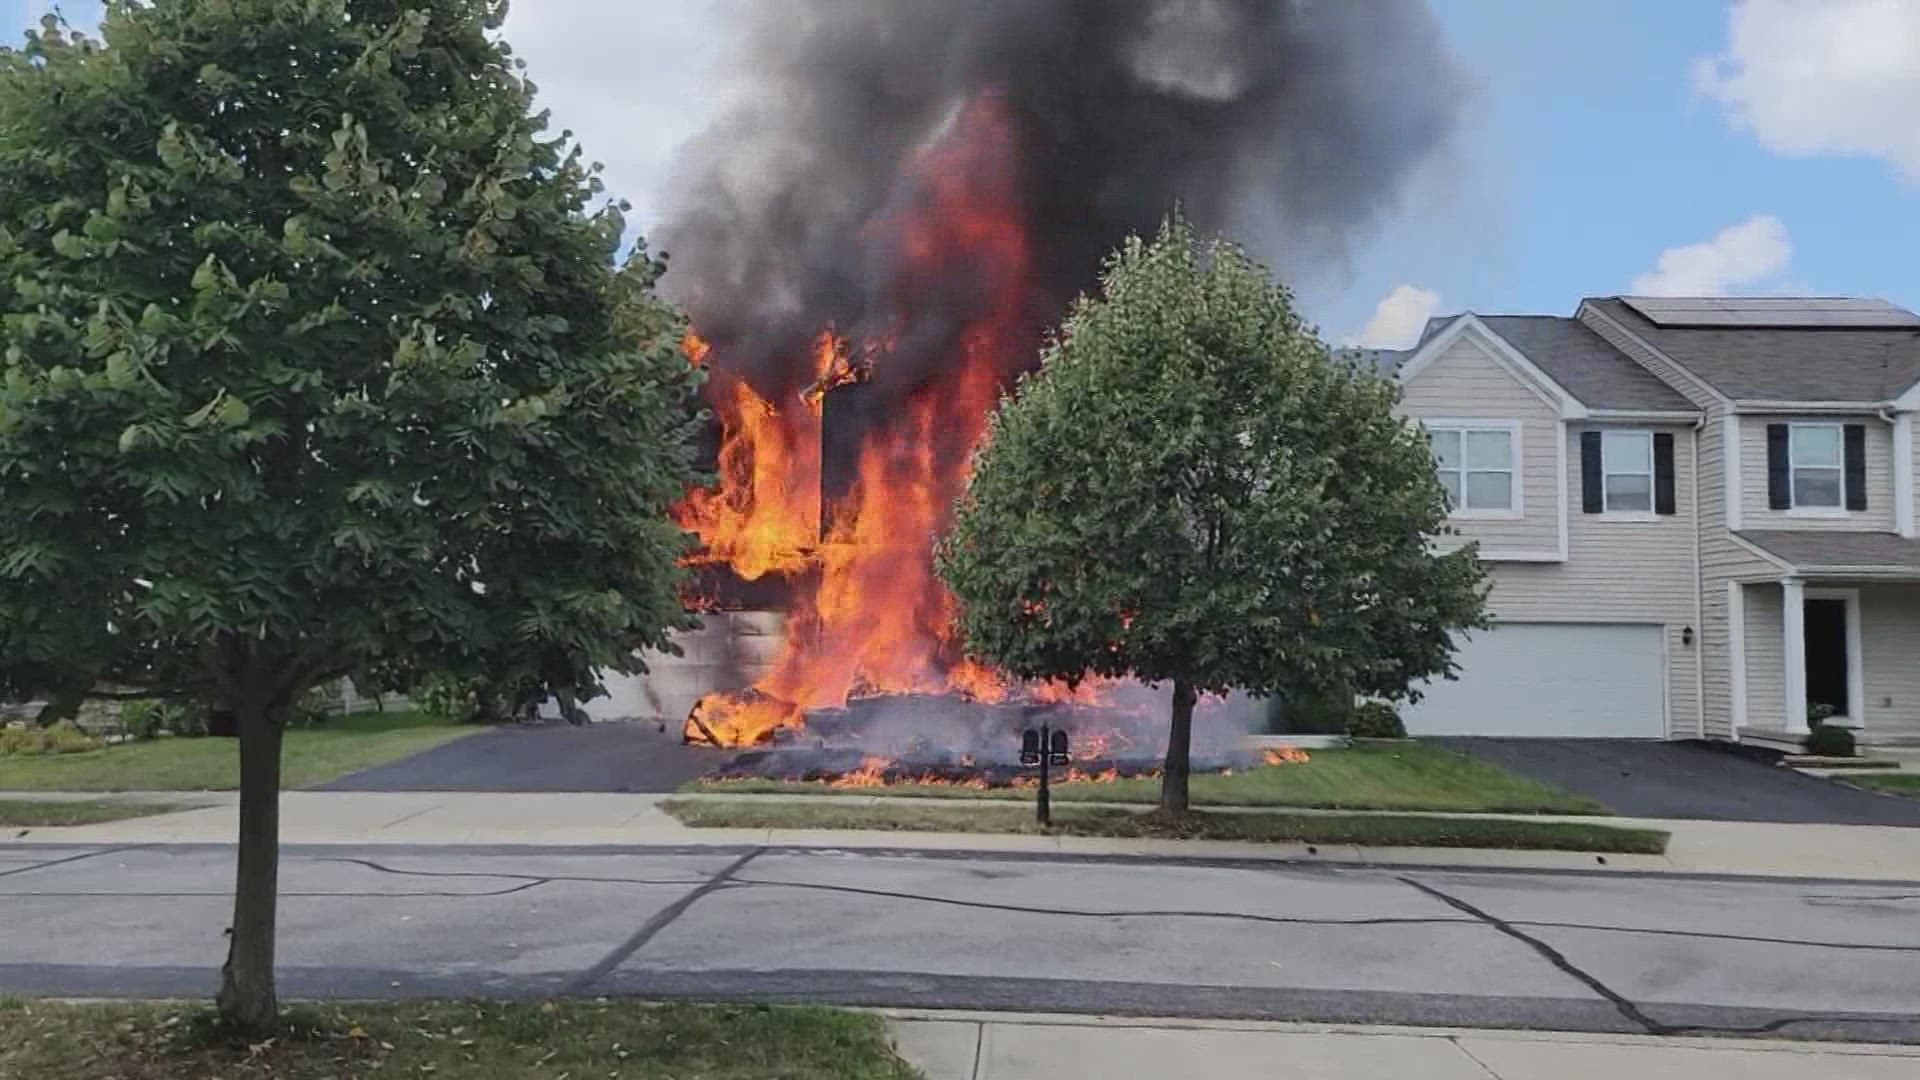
872,618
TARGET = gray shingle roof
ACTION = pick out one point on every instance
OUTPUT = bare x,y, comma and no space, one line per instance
1594,372
1832,550
1778,364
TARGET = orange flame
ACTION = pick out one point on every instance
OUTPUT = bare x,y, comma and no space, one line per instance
1287,755
877,620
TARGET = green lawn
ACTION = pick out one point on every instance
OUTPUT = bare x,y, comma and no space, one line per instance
1366,830
313,756
1385,776
584,1040
1898,783
28,813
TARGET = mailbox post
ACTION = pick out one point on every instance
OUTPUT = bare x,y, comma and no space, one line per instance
1046,748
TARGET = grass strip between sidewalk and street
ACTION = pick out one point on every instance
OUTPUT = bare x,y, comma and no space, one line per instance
342,745
1379,776
42,814
451,1041
1899,783
1363,830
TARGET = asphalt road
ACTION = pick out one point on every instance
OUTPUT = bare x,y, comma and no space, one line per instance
1802,959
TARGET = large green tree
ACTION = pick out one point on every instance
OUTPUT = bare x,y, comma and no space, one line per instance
1192,491
317,359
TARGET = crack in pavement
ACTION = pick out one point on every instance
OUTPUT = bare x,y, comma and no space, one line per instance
530,881
1621,1004
71,859
660,921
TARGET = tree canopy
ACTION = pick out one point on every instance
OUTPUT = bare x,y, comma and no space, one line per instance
315,356
1191,489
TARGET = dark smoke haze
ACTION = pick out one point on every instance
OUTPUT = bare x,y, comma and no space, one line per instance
1288,123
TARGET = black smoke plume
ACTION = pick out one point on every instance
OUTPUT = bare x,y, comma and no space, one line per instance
1288,123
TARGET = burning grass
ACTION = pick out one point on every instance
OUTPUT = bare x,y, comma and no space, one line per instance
1408,776
1362,830
451,1041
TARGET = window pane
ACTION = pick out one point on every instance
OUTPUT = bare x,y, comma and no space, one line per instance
1451,481
1816,487
1630,492
1489,449
1816,446
1489,491
1627,451
1446,448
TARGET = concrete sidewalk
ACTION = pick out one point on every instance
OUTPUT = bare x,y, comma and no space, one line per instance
1858,852
987,1046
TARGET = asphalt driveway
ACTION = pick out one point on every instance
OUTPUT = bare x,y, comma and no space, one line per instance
618,758
1687,781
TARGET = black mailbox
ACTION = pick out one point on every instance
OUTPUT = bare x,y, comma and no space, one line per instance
1057,753
1030,748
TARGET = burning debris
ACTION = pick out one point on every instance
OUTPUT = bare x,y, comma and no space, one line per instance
872,241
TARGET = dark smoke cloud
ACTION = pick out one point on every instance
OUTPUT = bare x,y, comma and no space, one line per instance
1290,123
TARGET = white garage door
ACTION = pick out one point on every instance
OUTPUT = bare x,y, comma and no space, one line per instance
1565,681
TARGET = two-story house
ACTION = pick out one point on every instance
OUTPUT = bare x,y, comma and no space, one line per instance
1697,515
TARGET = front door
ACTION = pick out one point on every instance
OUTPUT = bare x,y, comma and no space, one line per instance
1827,653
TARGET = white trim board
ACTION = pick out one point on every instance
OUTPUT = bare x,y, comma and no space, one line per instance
1737,653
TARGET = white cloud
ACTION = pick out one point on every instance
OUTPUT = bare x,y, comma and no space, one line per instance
1398,320
1814,77
1739,257
631,80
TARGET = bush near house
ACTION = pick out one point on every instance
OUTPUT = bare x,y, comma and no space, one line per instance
1376,720
64,737
1827,740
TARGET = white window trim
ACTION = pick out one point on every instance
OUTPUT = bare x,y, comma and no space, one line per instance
1515,465
1793,489
1653,472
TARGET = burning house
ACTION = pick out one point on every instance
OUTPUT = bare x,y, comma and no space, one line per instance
897,201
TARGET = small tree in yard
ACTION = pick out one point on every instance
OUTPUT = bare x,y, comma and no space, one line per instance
1191,490
316,361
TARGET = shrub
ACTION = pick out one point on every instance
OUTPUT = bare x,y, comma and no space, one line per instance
1315,712
141,719
64,737
1375,720
446,697
1826,740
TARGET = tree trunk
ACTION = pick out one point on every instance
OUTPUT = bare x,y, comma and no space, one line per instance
1173,780
247,997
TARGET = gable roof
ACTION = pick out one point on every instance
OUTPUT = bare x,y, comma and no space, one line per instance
1516,363
1783,363
1592,370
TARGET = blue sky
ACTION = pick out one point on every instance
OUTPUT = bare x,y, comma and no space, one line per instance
1592,146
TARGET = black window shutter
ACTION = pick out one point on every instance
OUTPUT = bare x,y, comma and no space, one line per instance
1779,475
1663,474
1856,466
1592,499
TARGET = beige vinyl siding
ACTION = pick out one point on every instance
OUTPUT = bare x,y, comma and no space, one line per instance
1766,657
1620,571
1466,383
1890,623
1877,517
1721,561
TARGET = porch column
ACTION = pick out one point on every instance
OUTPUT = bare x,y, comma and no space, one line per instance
1793,620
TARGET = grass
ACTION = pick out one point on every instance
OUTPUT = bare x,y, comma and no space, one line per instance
1900,783
1386,776
586,1040
21,813
1365,830
343,745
